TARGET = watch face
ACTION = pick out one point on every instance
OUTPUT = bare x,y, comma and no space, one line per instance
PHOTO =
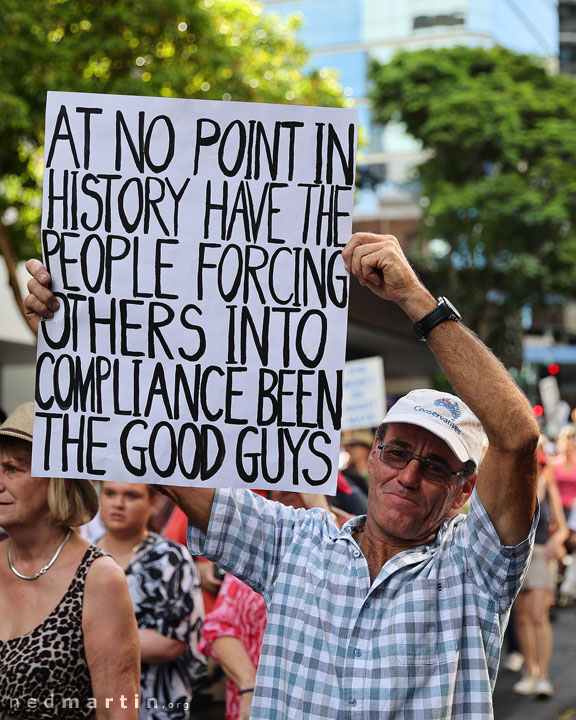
442,312
450,307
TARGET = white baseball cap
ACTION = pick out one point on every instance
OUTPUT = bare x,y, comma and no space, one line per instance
444,415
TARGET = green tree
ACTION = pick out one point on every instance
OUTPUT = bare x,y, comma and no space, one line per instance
498,186
211,49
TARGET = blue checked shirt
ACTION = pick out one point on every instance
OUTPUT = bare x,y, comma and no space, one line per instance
421,642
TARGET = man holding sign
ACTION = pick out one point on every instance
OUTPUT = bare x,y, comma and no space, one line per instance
401,613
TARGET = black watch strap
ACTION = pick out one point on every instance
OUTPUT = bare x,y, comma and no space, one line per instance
442,312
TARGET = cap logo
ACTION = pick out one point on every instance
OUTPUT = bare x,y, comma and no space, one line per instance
452,407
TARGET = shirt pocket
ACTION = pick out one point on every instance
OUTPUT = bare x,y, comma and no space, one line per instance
423,624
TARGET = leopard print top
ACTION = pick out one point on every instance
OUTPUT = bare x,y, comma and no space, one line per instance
44,674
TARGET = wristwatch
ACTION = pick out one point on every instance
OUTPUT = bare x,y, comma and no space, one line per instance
443,311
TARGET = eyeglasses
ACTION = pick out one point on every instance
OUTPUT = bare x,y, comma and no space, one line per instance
398,458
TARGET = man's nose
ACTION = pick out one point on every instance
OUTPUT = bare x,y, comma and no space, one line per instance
410,476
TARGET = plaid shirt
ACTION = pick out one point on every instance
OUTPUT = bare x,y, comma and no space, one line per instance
421,642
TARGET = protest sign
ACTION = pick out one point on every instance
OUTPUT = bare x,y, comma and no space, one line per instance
195,248
364,404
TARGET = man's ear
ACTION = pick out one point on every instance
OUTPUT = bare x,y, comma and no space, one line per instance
465,491
373,456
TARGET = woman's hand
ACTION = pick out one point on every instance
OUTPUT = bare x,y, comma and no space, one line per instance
209,581
555,548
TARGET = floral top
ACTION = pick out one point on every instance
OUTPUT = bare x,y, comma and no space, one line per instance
165,590
241,613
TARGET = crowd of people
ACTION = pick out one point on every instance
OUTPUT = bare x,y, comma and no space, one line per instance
543,588
385,598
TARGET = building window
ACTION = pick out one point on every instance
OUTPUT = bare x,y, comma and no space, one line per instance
567,17
422,22
371,176
567,54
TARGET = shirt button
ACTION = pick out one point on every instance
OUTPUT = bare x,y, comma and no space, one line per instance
367,603
352,701
357,553
357,653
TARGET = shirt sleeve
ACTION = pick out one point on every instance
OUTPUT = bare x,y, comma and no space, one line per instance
249,535
498,568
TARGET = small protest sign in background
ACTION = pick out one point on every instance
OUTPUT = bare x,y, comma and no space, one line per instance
195,248
364,403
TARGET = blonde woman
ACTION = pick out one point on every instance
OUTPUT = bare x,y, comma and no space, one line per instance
68,636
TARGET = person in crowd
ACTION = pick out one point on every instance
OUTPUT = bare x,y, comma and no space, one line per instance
3,416
68,637
349,497
565,467
357,444
165,590
210,576
232,635
175,529
532,606
572,528
400,613
567,590
233,631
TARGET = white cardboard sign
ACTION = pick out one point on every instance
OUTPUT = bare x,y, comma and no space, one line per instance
195,247
364,394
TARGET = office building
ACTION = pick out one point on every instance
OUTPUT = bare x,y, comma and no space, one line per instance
346,35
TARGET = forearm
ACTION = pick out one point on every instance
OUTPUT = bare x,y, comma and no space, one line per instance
506,482
156,648
235,661
111,641
195,502
485,385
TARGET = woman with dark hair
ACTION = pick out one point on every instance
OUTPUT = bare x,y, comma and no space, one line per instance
68,638
165,590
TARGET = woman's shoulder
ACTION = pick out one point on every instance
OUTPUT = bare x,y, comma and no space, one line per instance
104,574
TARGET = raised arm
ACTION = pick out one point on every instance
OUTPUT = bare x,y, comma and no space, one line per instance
507,477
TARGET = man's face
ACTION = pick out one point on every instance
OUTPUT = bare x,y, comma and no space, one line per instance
403,506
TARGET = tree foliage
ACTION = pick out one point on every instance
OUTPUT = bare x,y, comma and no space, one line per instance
499,184
211,49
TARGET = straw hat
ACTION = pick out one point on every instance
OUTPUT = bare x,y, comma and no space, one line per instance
20,424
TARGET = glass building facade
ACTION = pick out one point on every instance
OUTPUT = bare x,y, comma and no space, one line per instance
345,34
567,26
